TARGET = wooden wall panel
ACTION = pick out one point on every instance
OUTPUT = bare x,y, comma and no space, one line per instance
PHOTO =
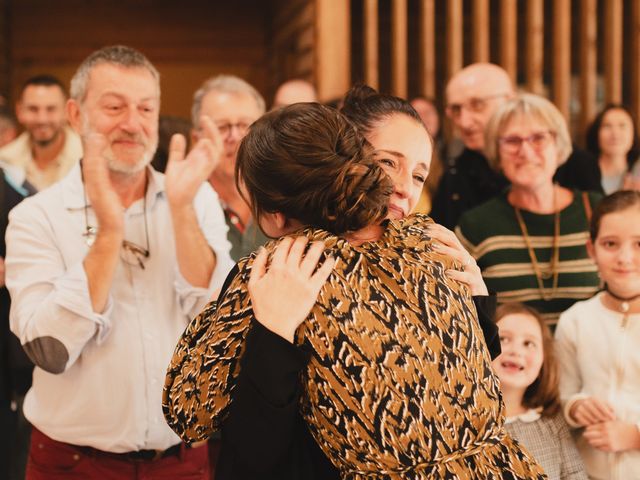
332,53
428,45
509,37
535,46
613,50
455,24
399,48
371,39
5,50
562,55
188,42
588,61
634,36
480,30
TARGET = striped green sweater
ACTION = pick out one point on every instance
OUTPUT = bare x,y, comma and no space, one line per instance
493,236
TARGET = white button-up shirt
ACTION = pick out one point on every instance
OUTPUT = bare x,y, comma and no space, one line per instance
112,364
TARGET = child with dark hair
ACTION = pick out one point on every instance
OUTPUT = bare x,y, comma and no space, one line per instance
597,342
398,383
528,373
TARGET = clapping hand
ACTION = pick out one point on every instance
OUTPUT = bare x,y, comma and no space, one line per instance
185,175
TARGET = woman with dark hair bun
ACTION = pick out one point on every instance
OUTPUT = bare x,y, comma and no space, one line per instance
613,138
398,382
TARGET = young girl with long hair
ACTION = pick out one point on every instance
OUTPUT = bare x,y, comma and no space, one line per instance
528,373
598,346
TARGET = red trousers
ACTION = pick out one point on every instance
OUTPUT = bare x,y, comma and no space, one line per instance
52,460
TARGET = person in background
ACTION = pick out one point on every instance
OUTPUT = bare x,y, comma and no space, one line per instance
48,148
598,346
430,116
473,94
530,240
612,138
294,91
528,373
8,127
168,126
233,105
15,366
105,269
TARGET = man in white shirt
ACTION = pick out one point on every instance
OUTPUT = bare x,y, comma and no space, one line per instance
48,148
105,269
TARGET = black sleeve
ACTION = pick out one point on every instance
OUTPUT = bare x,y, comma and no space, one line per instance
258,434
486,308
580,172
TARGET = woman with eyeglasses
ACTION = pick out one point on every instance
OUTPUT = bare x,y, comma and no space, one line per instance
530,241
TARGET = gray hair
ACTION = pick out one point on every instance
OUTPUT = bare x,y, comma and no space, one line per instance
224,84
117,55
533,107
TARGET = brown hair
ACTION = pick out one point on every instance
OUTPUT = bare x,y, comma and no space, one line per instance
309,163
544,392
617,201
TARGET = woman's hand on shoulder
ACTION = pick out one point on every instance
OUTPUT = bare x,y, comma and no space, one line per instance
283,293
447,243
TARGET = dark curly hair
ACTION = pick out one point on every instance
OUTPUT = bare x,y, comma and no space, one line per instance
308,162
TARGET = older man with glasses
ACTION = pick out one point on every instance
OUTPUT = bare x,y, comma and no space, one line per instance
233,105
105,269
473,94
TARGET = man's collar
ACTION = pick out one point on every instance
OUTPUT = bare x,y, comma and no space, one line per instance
74,196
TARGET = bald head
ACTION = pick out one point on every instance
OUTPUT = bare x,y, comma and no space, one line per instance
294,91
473,94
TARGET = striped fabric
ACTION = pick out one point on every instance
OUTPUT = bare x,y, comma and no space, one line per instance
493,236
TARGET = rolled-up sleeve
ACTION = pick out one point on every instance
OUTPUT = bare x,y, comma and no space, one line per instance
51,310
211,220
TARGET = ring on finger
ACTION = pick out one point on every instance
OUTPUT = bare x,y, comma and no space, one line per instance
468,262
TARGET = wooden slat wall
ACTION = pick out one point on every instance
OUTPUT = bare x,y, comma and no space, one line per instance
509,37
332,53
562,55
399,48
634,86
371,43
455,23
524,37
535,46
480,17
428,45
588,61
613,50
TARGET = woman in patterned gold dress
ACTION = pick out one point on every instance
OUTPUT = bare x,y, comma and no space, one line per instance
399,383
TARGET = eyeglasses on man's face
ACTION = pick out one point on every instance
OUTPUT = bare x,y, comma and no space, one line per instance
225,128
473,105
512,144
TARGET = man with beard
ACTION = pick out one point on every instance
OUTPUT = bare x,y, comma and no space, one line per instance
48,148
105,269
232,105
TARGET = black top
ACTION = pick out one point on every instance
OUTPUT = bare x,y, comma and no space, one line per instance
265,437
470,181
15,367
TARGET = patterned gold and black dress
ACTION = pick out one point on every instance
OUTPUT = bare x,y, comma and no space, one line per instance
399,384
